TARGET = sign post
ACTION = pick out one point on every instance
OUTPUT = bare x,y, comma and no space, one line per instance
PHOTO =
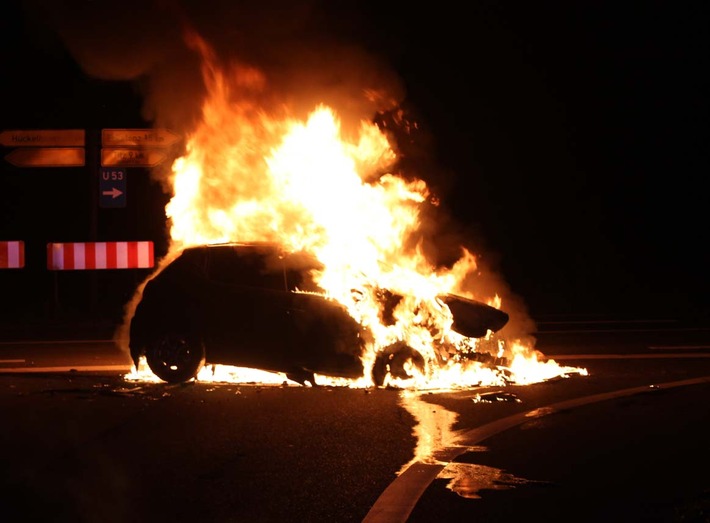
124,157
124,148
47,157
112,188
138,138
42,138
136,147
45,147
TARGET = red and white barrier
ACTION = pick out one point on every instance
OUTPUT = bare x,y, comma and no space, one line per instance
99,255
12,255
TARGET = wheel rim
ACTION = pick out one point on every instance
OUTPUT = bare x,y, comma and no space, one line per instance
175,358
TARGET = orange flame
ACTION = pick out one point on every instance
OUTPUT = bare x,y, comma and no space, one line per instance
252,175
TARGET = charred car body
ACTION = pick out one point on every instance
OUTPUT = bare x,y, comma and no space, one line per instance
253,305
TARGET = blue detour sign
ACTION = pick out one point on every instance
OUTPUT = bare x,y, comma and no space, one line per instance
112,187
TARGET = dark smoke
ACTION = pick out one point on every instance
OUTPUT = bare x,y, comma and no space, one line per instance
296,45
310,52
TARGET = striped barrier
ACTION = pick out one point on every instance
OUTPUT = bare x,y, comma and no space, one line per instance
99,255
12,254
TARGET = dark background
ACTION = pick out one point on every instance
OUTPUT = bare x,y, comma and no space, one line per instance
566,139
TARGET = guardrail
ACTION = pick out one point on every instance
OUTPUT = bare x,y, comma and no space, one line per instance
83,255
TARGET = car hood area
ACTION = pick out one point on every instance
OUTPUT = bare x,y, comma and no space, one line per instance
474,318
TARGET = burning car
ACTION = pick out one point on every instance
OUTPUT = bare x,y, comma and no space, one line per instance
255,305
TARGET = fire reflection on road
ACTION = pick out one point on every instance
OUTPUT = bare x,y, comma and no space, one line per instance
433,428
435,439
468,479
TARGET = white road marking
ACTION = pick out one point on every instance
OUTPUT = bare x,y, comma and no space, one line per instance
396,503
77,368
58,342
621,330
679,347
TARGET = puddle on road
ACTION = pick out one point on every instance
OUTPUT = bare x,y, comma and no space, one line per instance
436,438
468,479
433,428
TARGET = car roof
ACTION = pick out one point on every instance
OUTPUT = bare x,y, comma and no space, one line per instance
232,245
296,259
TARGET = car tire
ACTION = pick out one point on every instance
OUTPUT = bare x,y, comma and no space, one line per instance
175,358
391,361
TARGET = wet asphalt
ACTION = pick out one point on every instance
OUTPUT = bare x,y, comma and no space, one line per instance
91,446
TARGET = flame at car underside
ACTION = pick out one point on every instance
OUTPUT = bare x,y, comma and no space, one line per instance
252,175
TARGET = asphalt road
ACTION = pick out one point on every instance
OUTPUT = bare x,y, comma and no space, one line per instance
625,443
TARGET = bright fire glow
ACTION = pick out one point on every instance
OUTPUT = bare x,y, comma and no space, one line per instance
252,175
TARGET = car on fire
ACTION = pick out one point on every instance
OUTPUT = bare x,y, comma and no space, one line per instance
254,305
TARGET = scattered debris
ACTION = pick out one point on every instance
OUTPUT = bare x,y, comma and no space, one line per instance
496,396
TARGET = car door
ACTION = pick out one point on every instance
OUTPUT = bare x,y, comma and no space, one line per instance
328,340
247,312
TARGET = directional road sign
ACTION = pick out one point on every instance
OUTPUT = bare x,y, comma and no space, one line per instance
124,157
47,157
42,137
112,188
138,137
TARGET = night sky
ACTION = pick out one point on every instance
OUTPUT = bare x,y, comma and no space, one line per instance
567,140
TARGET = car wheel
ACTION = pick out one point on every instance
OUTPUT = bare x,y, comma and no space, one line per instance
392,361
175,358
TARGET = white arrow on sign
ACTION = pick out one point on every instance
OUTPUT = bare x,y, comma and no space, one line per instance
113,193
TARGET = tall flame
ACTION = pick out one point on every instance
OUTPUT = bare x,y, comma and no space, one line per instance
252,175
